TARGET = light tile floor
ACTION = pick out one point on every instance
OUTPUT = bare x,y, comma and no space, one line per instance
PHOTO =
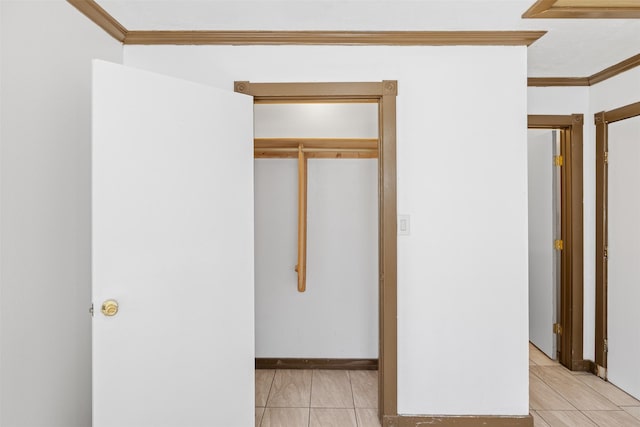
316,398
322,398
559,397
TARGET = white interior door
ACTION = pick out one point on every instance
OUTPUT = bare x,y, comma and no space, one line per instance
624,256
543,230
173,244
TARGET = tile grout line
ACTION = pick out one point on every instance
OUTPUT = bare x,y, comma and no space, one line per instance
353,398
583,385
313,373
273,379
562,396
613,385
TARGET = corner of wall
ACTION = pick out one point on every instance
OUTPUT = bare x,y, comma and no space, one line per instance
45,130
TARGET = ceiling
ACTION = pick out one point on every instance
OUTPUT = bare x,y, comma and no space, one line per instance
571,48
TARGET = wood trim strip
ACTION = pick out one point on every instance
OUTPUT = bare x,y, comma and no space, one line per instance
615,69
101,18
350,38
622,113
589,13
546,9
557,81
548,121
304,91
585,366
596,78
387,235
538,7
297,363
601,239
566,299
575,236
459,421
104,20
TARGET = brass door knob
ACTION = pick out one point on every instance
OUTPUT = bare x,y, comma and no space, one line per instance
110,307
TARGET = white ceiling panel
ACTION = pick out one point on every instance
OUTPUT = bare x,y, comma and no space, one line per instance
316,14
582,47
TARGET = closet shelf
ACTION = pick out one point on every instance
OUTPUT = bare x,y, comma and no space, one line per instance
359,148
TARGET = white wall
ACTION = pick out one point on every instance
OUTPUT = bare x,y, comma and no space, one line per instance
461,177
616,92
337,315
1,133
45,105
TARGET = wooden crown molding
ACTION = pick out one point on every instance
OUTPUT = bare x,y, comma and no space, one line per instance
598,77
602,9
101,18
349,38
615,69
104,20
557,81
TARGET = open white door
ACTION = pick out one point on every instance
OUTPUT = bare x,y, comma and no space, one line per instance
544,265
173,245
623,283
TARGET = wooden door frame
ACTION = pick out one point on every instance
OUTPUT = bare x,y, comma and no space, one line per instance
572,283
384,94
602,121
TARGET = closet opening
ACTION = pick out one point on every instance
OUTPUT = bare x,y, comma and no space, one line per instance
325,249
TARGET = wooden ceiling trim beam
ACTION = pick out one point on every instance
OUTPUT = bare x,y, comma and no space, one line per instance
101,18
348,38
104,20
598,77
108,23
538,7
590,13
557,81
548,9
616,69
